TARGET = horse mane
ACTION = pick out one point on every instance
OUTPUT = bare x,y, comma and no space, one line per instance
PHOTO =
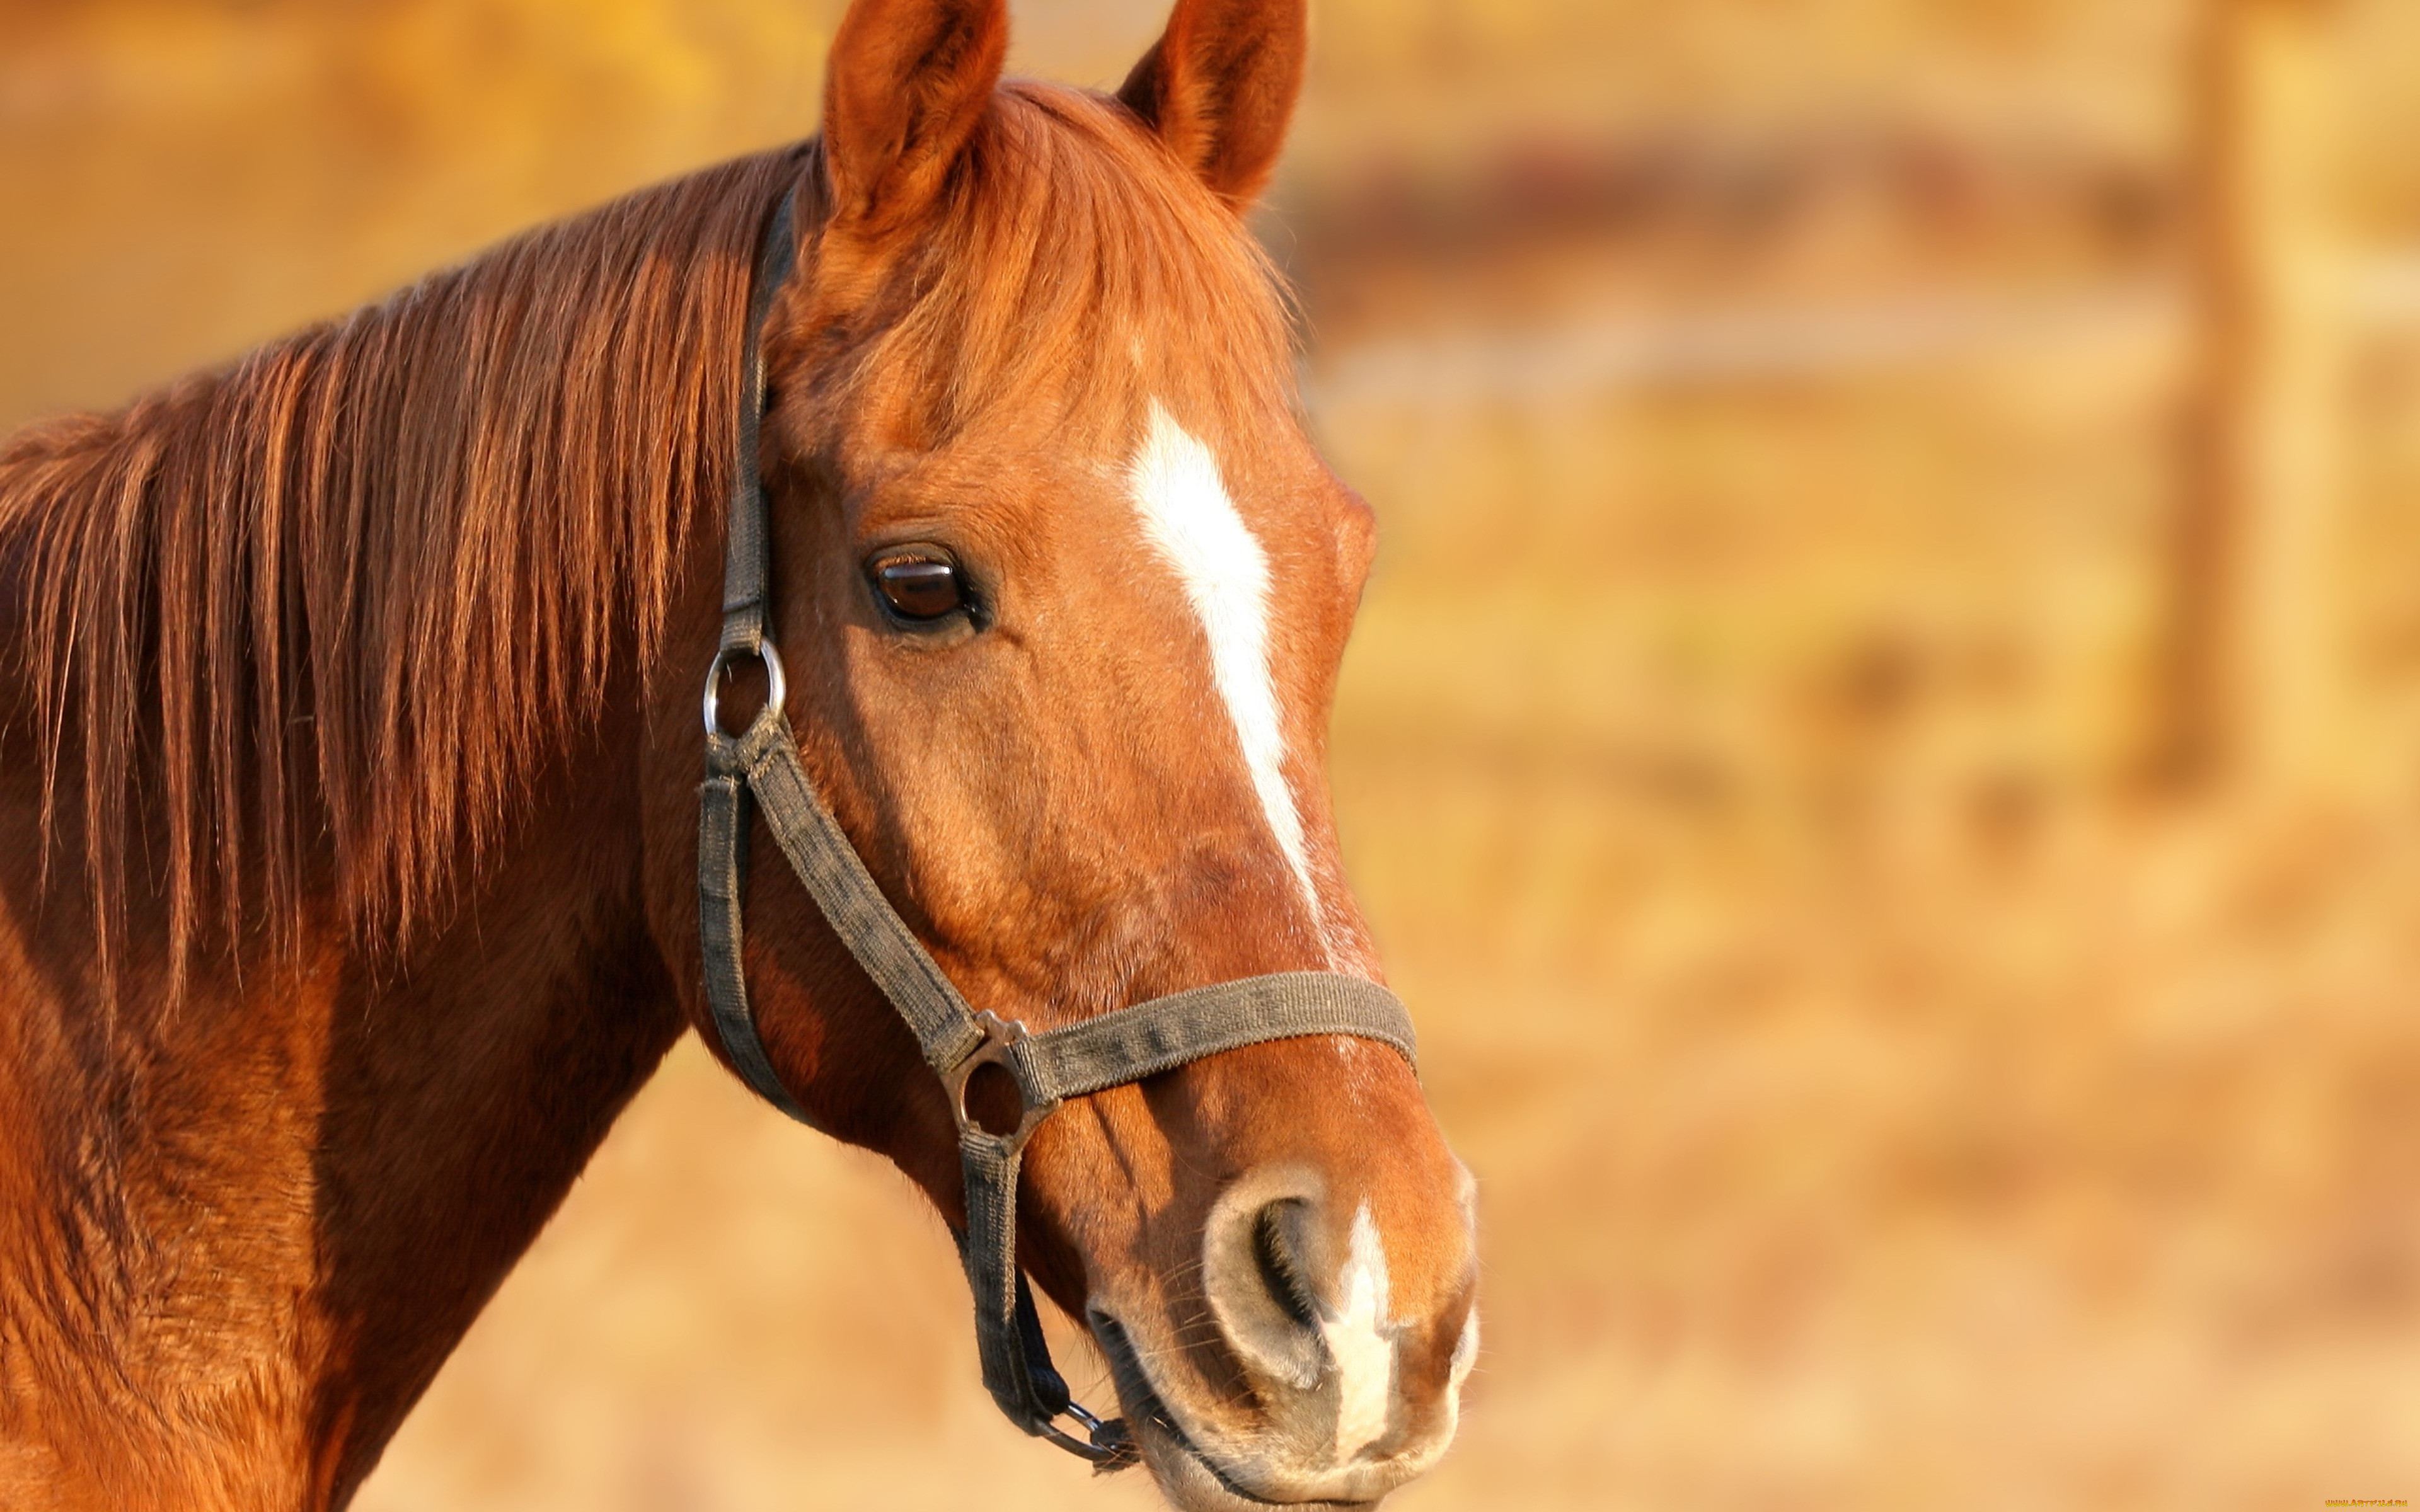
326,599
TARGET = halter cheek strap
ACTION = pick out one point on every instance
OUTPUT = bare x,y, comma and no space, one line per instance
758,773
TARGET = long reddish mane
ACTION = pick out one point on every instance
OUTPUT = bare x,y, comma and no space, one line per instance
344,585
347,581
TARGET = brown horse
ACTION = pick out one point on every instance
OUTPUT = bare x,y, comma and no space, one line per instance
349,766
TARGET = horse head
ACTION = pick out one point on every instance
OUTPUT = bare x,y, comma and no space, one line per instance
1063,589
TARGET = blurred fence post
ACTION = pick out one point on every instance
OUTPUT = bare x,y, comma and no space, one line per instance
2258,645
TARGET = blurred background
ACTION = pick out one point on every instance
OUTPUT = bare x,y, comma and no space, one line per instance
1883,747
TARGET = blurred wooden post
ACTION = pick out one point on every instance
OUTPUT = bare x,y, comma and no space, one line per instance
2258,641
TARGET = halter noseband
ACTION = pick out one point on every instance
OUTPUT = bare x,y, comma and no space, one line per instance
1110,1050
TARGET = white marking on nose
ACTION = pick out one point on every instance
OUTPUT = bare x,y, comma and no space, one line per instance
1360,1340
1466,1352
1189,518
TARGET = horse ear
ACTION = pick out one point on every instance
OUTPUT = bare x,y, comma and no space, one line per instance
1219,86
904,85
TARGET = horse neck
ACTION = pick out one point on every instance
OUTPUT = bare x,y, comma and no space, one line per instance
239,1232
243,1222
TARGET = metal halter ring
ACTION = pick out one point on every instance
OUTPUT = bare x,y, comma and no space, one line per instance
777,689
1109,1446
999,1037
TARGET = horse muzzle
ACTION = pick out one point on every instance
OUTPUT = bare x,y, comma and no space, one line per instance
1330,1378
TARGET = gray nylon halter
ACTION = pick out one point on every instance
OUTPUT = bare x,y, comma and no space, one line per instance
760,770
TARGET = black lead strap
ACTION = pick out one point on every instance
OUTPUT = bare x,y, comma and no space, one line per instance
758,774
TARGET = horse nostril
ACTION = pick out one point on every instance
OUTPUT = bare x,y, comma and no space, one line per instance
1277,1248
1263,1261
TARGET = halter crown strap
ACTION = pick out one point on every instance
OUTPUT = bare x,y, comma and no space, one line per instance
759,772
745,586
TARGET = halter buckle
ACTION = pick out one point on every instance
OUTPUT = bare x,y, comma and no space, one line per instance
999,1036
777,688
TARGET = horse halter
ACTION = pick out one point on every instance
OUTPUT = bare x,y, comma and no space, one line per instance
1110,1050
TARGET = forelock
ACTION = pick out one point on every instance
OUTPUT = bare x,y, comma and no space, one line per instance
1076,273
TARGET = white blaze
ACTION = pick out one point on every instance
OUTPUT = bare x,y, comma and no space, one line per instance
1188,516
1360,1341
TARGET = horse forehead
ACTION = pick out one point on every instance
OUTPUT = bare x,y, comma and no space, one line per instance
1064,482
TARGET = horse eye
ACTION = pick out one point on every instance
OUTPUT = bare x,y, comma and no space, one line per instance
917,588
